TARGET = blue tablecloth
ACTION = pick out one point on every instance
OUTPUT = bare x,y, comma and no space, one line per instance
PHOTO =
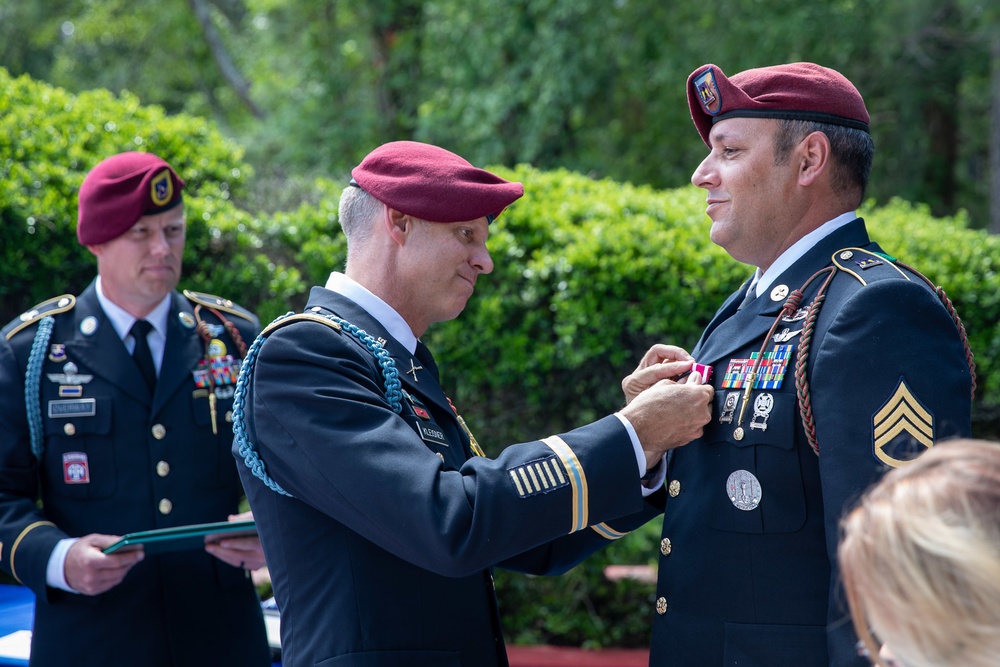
17,608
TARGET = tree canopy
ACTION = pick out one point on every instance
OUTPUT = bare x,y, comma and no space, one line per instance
310,86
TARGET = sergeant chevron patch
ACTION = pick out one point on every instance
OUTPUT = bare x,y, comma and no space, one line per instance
538,476
902,428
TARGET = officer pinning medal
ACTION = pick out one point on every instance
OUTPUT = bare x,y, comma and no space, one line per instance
365,479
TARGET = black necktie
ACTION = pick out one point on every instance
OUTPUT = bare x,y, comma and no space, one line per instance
749,298
141,354
424,356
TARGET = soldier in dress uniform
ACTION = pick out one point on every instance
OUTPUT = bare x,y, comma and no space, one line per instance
832,364
115,413
379,514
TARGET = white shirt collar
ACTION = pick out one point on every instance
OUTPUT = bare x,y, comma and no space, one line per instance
385,314
122,320
761,282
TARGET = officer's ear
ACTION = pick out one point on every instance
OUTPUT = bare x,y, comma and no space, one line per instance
397,224
814,157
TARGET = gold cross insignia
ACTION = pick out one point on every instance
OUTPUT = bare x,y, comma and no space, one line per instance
902,428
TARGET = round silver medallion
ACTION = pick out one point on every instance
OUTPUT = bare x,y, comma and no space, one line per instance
743,490
88,326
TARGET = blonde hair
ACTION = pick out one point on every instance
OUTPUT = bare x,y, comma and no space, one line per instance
920,559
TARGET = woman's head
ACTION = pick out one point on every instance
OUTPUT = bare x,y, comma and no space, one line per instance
920,559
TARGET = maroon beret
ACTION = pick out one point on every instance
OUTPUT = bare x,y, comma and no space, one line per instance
122,189
796,91
433,184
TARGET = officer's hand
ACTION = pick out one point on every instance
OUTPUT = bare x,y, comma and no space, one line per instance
242,552
90,571
670,414
661,362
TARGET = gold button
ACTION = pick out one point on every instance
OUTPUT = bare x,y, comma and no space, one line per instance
159,431
162,468
661,606
665,546
165,506
229,416
674,489
69,429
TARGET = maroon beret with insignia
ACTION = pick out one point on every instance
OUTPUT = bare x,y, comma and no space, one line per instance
796,91
122,189
433,184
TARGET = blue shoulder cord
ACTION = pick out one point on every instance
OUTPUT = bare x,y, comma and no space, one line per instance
32,384
247,449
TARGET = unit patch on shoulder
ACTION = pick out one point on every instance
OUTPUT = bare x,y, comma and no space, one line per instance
902,428
538,476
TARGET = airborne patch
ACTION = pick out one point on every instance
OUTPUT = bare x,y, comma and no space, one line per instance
538,476
902,428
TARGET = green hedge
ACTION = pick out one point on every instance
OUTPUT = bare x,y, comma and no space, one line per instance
588,275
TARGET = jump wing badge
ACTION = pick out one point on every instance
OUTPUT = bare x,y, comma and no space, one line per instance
902,428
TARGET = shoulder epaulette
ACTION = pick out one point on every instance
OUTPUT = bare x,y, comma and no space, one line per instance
309,317
218,303
53,306
867,266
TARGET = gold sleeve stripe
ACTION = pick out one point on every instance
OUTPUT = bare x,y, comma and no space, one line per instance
552,478
577,481
534,478
527,482
607,532
517,482
13,549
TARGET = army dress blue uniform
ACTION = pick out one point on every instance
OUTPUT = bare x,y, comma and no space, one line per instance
114,460
381,553
746,574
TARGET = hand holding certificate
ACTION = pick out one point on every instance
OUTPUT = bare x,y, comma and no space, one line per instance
194,536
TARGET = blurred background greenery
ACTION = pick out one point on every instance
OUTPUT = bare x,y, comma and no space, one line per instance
263,106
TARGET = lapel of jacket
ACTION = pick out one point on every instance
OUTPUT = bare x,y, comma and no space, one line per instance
736,329
413,375
184,346
102,351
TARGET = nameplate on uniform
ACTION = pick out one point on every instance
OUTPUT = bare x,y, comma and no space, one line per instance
80,407
431,432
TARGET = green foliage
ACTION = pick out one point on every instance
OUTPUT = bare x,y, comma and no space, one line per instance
592,86
50,138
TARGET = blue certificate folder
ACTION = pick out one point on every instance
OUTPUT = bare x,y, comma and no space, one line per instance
194,536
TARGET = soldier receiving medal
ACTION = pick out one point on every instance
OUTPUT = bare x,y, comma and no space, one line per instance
834,362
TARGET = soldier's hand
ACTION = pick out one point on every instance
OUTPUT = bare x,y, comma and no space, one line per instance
244,552
661,362
90,571
668,414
